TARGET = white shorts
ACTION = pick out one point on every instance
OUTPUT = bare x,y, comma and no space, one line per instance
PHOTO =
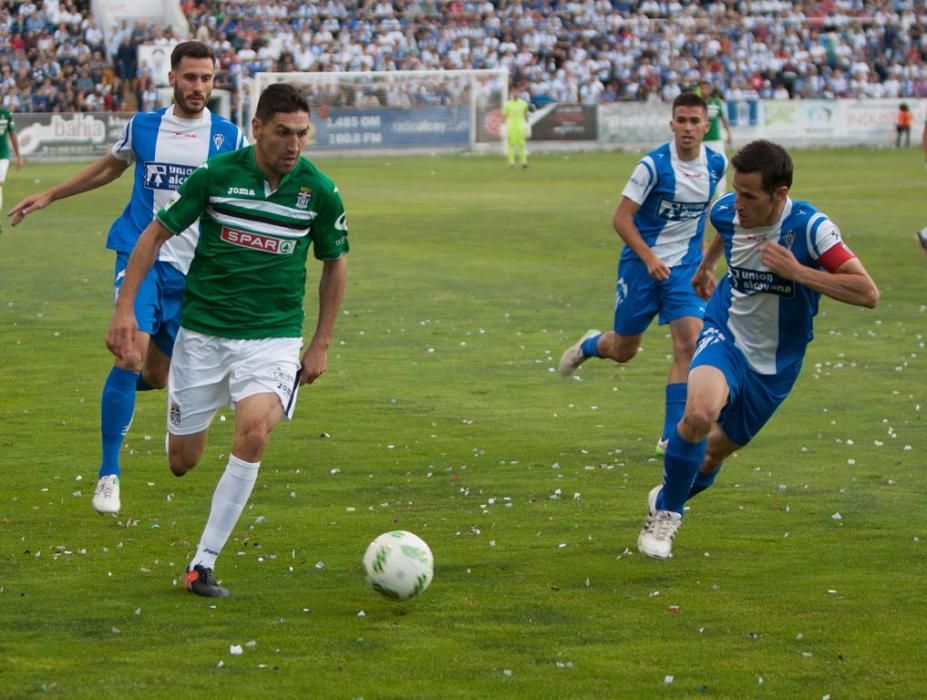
4,168
208,373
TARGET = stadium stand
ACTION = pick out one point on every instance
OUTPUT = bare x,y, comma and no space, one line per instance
55,57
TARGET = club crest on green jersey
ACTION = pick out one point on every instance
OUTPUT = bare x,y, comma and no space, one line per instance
303,197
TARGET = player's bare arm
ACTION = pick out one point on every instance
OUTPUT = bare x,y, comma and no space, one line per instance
120,339
14,141
704,279
623,221
850,283
101,172
331,291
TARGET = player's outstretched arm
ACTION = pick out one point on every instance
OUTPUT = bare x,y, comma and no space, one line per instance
120,339
331,291
849,283
100,172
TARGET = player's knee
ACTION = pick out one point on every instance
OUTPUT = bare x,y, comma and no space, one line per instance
182,459
251,441
155,379
131,362
695,424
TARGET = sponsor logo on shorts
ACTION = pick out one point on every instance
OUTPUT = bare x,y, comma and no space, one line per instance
173,414
709,337
256,241
166,176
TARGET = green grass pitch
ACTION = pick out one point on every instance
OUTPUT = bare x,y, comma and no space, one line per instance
801,574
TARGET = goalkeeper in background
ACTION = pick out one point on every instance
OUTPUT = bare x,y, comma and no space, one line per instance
515,113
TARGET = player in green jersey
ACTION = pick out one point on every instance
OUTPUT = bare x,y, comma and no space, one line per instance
239,342
717,119
7,138
515,113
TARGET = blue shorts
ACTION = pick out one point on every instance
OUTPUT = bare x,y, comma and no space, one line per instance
639,297
158,302
753,397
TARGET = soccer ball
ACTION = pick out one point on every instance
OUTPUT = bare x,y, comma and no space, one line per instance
399,565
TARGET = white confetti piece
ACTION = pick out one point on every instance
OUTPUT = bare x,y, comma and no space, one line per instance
361,613
668,680
236,650
836,516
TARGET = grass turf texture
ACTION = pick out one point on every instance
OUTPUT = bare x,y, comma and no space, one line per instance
442,414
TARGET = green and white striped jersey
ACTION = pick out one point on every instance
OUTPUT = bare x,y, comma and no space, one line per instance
248,276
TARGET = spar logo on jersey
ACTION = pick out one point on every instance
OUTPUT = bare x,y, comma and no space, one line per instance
680,211
166,176
256,241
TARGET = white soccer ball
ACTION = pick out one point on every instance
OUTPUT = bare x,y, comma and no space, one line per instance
399,565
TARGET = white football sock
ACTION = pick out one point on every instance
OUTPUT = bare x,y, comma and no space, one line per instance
228,501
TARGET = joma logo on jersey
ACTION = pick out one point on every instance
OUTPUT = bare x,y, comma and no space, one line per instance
680,211
256,241
166,176
242,190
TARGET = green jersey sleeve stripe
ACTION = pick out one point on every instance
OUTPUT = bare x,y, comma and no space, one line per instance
266,207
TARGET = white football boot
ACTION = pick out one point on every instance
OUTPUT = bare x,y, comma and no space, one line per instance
106,497
573,357
656,539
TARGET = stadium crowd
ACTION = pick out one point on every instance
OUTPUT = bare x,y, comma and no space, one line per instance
53,56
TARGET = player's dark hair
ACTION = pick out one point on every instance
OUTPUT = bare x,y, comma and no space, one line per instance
689,99
769,159
280,98
191,49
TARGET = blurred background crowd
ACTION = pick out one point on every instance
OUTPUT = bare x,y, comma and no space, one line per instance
54,56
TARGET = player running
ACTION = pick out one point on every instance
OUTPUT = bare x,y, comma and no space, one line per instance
240,337
661,219
166,146
782,255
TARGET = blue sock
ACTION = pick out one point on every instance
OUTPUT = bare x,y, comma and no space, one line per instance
590,346
680,465
675,407
142,385
117,404
702,482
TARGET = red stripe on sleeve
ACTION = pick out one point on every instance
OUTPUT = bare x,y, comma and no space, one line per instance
835,257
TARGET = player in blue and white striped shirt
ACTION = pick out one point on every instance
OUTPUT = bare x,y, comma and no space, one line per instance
782,255
165,146
661,219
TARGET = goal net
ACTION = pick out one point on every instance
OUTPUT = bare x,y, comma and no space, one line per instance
397,111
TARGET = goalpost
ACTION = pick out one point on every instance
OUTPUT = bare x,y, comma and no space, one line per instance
396,111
